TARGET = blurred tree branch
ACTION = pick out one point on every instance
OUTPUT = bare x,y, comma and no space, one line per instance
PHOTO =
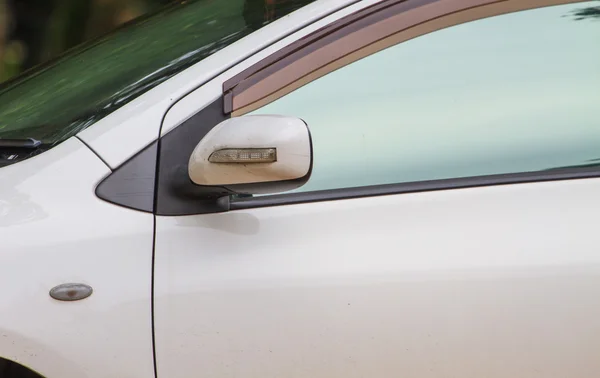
590,12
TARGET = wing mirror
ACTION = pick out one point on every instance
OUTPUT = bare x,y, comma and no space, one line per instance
255,154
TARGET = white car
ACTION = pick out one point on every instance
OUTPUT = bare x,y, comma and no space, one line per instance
341,188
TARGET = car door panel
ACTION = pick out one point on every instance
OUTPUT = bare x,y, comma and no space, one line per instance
470,282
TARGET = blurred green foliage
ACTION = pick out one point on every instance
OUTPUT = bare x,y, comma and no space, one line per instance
34,31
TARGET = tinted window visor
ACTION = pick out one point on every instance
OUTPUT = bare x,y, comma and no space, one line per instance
352,38
57,100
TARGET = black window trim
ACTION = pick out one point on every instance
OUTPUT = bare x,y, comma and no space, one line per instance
560,174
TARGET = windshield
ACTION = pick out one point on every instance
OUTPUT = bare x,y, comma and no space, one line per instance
56,101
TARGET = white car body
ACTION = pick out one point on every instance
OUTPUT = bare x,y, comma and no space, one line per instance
484,281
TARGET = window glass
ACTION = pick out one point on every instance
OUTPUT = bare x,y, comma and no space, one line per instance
59,99
512,93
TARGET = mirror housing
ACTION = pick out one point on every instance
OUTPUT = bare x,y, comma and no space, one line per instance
254,154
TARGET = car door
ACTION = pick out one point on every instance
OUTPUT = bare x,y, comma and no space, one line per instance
448,224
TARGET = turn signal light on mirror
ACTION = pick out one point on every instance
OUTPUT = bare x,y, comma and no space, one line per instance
266,150
244,155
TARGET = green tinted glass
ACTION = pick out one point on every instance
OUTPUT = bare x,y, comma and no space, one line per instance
58,100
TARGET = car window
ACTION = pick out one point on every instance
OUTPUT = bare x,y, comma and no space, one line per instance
507,94
59,99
